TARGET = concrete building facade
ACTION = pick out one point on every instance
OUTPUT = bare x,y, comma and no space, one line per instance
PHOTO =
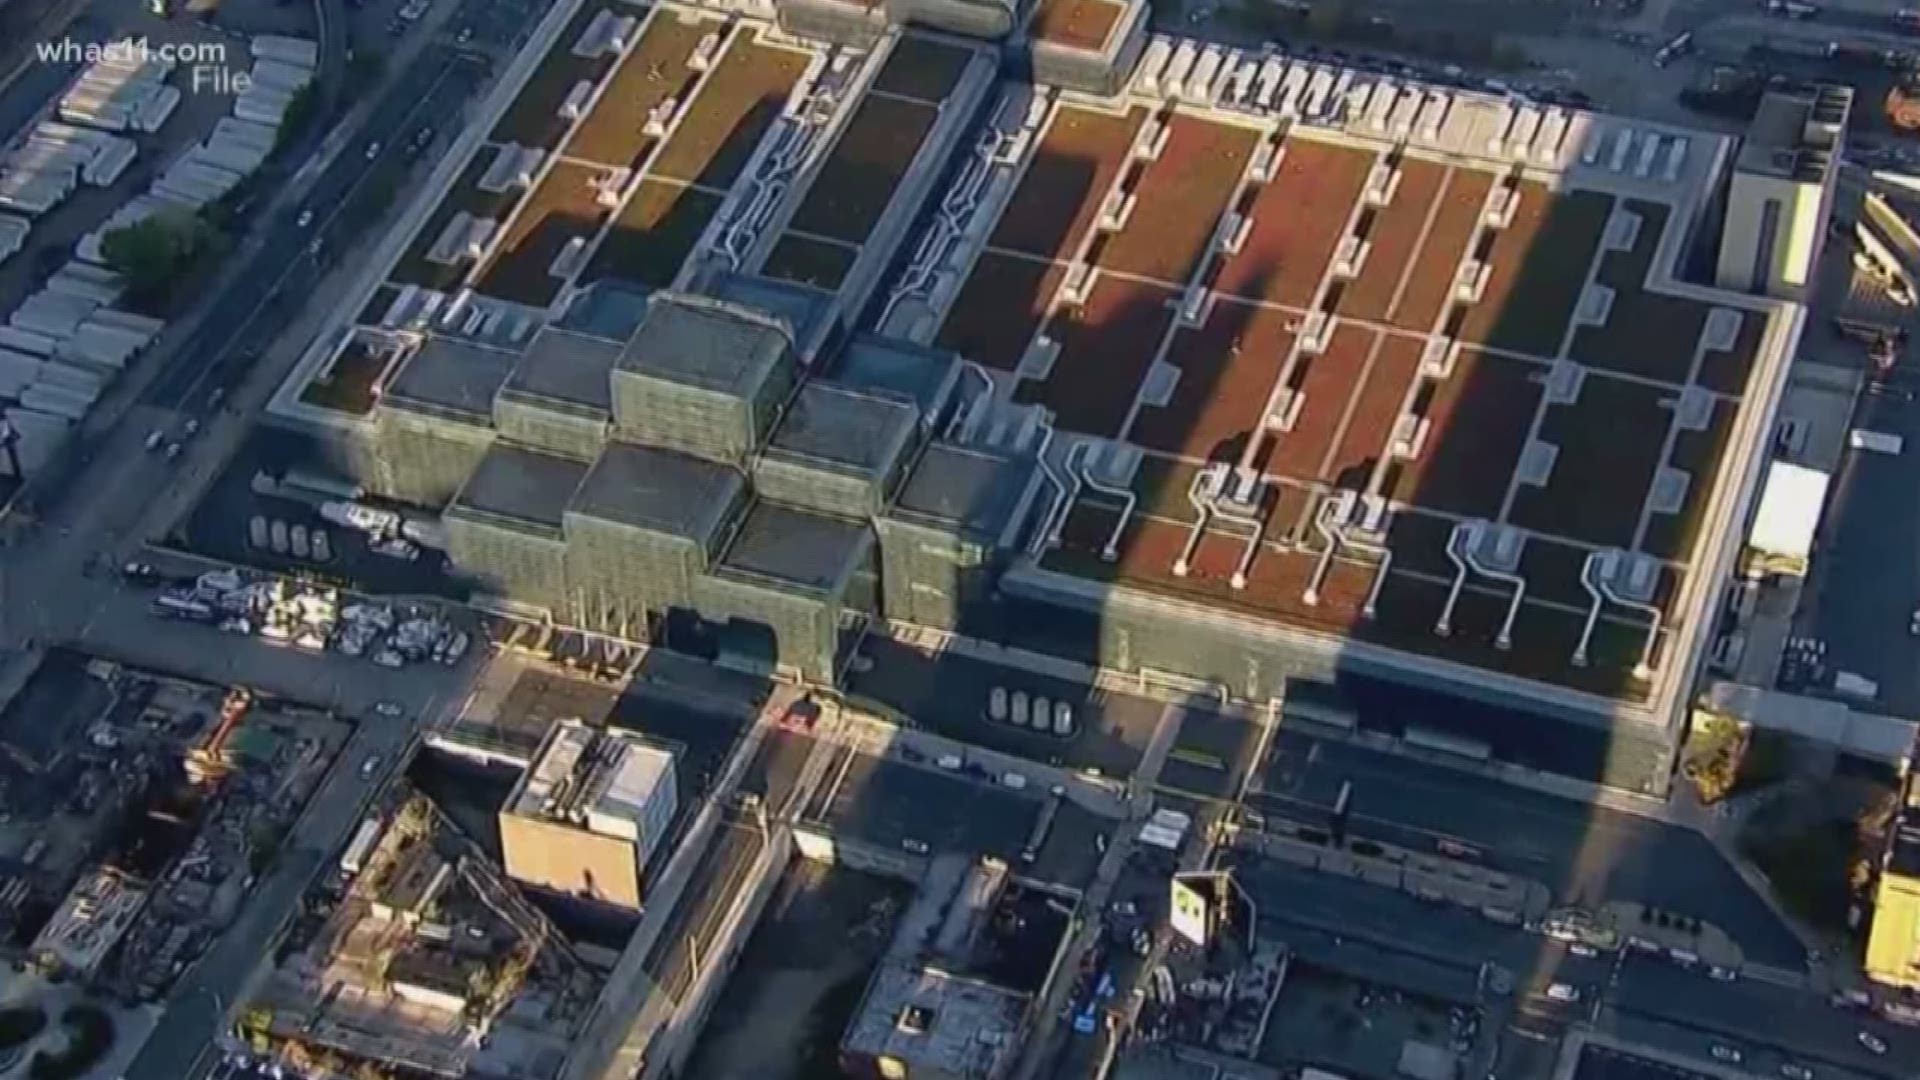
1781,192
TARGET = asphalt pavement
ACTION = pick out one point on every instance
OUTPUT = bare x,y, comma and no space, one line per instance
1406,937
1586,854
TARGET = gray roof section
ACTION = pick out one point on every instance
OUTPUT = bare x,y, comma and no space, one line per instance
605,309
922,375
973,492
520,485
842,427
452,376
803,307
559,365
658,490
795,548
711,344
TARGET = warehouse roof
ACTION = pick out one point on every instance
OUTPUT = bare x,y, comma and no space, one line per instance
560,365
840,426
521,485
452,375
658,490
707,343
793,547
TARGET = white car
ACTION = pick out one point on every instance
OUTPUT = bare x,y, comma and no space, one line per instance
997,704
1796,1072
1566,992
388,709
1582,949
1723,1052
373,150
305,219
1872,1042
369,766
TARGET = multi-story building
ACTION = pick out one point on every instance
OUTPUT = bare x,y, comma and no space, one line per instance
588,814
1893,944
1781,192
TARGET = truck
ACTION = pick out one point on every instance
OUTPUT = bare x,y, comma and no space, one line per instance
1878,442
172,606
1850,684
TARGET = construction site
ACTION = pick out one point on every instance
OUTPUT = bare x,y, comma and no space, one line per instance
176,796
426,958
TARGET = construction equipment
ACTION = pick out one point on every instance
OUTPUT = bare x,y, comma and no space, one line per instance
208,763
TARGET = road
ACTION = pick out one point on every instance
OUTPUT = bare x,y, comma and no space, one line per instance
1755,1017
281,274
1587,855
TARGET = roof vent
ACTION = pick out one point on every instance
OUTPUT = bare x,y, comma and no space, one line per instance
1439,357
1283,411
1315,329
1348,257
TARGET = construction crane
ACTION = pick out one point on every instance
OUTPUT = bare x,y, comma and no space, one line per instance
208,762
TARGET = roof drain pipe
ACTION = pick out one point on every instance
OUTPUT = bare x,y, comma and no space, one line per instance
1322,524
1336,538
1505,638
1257,524
1044,537
1203,510
1058,520
1642,670
1444,626
965,412
1593,610
1128,501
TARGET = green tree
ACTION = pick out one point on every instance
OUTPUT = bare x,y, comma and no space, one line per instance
301,109
155,253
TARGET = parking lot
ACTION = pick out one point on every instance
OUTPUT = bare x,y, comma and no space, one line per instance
950,694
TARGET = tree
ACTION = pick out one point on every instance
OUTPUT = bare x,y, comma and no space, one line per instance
153,254
301,109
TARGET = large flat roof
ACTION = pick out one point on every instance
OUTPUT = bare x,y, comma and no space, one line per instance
576,214
1462,338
